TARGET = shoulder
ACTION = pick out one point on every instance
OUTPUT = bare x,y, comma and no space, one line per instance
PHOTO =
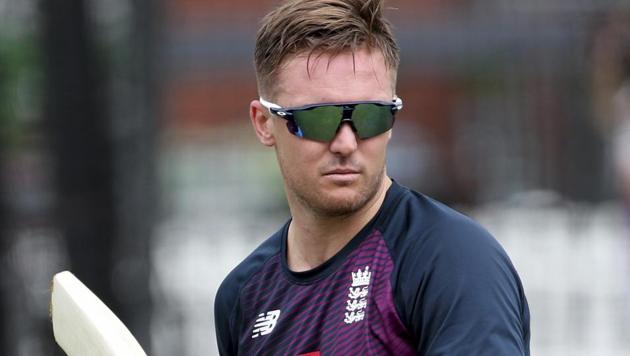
243,272
226,301
451,271
422,224
426,236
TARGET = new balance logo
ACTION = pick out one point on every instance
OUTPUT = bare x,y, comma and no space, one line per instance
265,323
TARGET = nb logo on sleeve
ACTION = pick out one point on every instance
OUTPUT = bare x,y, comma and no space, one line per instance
265,323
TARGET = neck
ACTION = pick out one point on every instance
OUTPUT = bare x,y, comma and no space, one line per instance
313,238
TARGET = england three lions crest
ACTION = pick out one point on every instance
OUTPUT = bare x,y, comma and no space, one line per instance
357,296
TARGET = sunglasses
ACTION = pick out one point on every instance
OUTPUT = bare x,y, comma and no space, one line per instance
320,122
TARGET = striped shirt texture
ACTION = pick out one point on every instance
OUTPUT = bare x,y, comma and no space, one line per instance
418,279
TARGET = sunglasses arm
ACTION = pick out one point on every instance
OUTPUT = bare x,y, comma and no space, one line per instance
274,109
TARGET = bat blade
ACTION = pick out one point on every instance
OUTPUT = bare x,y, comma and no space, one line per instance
83,325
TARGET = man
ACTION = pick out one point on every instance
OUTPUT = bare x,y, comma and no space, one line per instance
364,266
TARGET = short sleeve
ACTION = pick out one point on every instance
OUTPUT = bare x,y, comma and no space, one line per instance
459,294
224,319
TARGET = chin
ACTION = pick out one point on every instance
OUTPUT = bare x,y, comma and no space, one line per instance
335,199
338,208
341,201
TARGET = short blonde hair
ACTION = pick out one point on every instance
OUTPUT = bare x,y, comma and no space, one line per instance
320,27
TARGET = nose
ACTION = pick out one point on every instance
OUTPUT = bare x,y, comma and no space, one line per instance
345,141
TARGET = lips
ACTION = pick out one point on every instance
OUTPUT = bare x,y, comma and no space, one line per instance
342,176
342,171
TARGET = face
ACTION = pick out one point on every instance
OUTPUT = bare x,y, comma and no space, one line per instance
328,178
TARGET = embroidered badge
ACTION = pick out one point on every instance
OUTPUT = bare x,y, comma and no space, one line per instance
357,298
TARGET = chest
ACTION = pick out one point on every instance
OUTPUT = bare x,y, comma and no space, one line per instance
350,311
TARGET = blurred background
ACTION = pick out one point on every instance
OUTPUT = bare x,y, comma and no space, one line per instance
126,156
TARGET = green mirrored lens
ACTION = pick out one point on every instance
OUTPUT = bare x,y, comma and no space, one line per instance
372,119
319,123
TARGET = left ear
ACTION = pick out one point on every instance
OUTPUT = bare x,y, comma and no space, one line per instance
263,124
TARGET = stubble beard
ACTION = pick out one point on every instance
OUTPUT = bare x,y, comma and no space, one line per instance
329,205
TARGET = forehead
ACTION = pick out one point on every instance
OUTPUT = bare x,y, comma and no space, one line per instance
347,76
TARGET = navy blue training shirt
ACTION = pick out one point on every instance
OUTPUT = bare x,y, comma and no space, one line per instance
419,278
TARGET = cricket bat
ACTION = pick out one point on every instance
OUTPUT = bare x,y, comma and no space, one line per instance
83,325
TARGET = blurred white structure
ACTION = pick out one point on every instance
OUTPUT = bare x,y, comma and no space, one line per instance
573,261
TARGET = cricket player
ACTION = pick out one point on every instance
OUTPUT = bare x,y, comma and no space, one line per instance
364,266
